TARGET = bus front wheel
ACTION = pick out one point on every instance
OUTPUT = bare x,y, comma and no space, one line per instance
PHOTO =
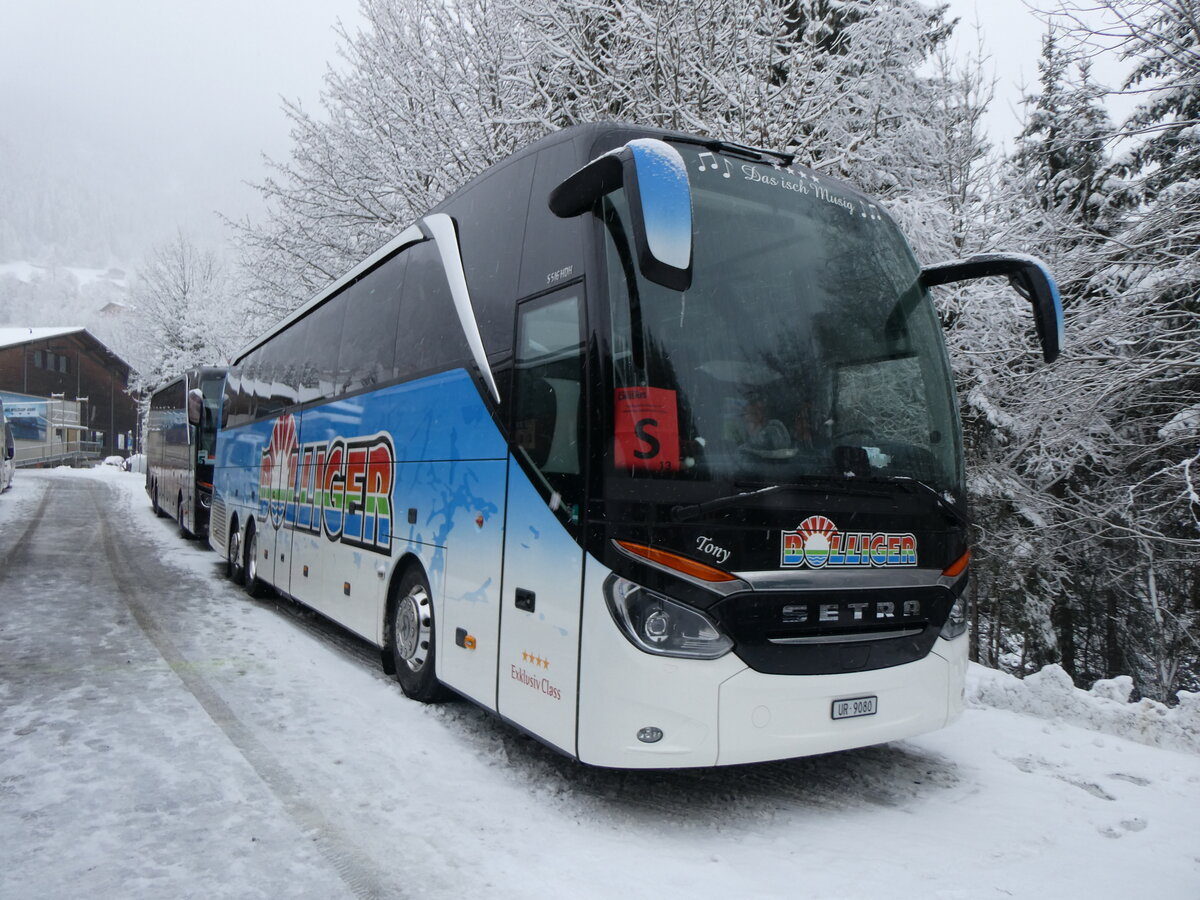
412,640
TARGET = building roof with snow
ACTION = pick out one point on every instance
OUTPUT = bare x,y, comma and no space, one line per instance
14,336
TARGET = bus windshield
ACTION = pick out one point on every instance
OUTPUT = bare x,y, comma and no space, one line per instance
805,347
213,388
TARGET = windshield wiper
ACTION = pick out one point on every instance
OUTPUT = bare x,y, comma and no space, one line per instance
946,504
686,511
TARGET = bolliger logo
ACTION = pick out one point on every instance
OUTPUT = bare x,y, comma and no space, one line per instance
342,487
818,543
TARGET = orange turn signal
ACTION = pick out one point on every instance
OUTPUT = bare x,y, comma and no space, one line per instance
677,562
957,567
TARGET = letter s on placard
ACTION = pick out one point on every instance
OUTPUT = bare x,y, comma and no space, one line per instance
641,429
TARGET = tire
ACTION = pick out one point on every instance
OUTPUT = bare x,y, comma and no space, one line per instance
254,585
411,631
233,558
158,510
183,532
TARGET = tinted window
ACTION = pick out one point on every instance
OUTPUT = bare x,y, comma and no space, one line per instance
251,389
275,382
429,335
318,344
368,346
548,390
235,407
491,228
169,397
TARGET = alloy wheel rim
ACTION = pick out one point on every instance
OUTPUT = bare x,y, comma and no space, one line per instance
413,628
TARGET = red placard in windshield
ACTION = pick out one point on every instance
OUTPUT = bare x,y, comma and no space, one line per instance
646,429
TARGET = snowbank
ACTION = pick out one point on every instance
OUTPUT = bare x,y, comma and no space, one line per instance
1050,694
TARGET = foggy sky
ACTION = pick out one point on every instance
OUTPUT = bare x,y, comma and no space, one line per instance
168,105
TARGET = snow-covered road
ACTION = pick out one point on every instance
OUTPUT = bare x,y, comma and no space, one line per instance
162,735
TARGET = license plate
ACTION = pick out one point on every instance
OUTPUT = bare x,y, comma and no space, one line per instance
855,706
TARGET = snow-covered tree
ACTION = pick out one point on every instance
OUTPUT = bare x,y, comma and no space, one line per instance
1162,265
187,312
434,91
1137,496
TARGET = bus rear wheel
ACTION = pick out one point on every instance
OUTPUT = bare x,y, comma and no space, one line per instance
254,585
233,559
183,529
412,640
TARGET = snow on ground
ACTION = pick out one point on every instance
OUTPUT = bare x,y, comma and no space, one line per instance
221,747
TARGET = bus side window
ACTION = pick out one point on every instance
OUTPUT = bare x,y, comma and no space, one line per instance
278,386
368,349
248,385
430,336
547,391
318,341
491,230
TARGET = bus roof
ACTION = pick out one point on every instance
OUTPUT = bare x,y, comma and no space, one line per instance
585,137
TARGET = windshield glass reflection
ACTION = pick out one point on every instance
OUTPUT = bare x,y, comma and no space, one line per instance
804,347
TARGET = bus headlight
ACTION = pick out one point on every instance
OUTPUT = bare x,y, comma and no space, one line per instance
956,622
659,625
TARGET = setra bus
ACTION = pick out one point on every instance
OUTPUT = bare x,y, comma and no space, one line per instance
180,447
646,442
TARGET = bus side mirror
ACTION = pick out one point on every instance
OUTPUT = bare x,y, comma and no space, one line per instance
1029,277
655,179
195,406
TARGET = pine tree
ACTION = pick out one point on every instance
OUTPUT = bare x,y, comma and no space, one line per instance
1041,438
1162,436
1145,511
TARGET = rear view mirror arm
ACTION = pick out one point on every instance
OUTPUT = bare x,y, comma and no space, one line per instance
1028,275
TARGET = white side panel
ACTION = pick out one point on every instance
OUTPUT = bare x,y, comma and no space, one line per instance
539,649
955,654
304,563
474,534
364,575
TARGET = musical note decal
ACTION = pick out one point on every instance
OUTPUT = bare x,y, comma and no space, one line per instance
712,164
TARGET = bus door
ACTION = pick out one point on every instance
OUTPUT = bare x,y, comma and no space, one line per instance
543,561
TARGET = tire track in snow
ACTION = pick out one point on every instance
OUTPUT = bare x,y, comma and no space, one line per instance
359,873
20,547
